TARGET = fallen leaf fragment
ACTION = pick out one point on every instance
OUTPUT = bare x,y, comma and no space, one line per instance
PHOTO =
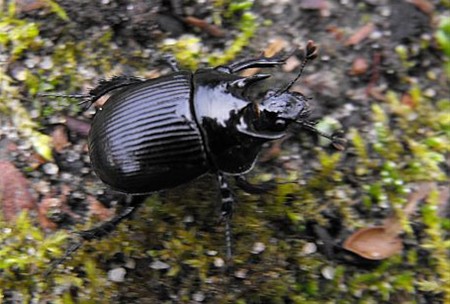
359,66
360,35
98,210
424,5
78,126
381,242
211,29
59,138
45,208
30,5
15,195
272,49
374,243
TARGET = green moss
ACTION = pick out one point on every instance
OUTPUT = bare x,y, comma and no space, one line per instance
407,144
188,49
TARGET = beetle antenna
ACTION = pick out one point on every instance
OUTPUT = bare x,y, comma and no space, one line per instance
311,51
337,142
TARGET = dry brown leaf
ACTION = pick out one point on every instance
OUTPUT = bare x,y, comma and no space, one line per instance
380,242
359,66
78,126
421,191
272,49
30,5
424,5
291,64
98,210
361,34
15,195
211,29
45,207
374,243
59,138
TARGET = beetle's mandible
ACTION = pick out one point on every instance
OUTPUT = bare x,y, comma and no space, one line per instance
159,133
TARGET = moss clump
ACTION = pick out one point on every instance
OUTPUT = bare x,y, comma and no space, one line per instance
188,49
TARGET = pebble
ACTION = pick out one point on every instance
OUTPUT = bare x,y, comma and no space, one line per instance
211,252
219,262
130,264
50,168
158,265
188,219
46,63
117,274
309,248
198,296
328,272
241,273
258,247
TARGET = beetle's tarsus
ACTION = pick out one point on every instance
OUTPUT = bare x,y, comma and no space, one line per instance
73,247
171,61
245,185
227,207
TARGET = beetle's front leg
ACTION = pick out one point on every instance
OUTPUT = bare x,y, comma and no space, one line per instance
260,62
227,205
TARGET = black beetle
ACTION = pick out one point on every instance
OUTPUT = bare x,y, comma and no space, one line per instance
159,133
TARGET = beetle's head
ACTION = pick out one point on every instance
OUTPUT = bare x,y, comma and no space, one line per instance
279,109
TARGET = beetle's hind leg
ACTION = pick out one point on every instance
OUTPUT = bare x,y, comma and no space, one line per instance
100,231
109,226
226,210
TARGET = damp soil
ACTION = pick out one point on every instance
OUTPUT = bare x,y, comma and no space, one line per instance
357,64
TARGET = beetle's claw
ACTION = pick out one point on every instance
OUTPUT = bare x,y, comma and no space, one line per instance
73,247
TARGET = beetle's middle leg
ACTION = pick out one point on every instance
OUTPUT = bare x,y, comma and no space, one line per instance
226,210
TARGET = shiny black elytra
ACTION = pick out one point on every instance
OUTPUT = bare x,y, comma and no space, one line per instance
159,133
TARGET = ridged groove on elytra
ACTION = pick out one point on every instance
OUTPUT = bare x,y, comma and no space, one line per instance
178,141
150,106
155,141
162,91
165,156
126,147
187,157
186,160
162,83
146,123
186,147
129,129
154,130
131,103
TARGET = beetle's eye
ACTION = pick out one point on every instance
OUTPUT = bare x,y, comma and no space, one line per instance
269,93
280,124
